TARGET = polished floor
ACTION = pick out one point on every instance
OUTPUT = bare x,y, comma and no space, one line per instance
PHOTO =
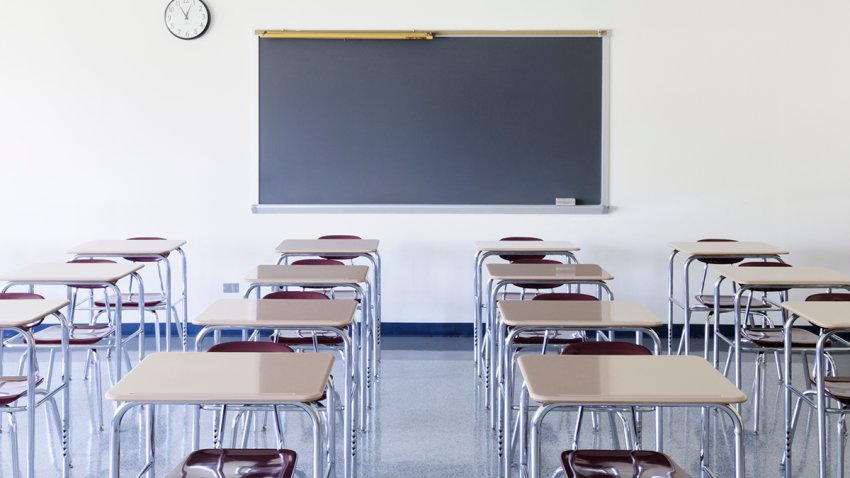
427,424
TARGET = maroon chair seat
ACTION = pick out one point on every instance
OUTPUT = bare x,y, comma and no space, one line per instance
564,296
236,463
828,297
146,259
720,260
516,257
296,294
339,236
248,346
619,463
837,388
132,300
13,387
605,348
79,334
727,302
773,337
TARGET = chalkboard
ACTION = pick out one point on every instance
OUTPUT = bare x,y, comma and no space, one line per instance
482,121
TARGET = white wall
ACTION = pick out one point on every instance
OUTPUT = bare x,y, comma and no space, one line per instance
728,119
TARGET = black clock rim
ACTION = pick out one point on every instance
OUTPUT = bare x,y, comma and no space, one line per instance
206,27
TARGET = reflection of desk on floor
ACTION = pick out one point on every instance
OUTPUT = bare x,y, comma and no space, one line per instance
557,381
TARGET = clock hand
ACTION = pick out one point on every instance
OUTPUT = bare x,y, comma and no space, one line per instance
185,12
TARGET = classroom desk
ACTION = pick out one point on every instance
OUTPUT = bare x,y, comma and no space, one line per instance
778,278
485,249
704,250
502,275
558,381
366,248
101,275
832,317
222,379
353,277
332,316
150,248
532,316
15,316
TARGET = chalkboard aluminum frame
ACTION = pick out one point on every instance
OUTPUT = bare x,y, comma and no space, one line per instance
602,208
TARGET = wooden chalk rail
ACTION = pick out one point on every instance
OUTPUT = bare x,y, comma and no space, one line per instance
418,35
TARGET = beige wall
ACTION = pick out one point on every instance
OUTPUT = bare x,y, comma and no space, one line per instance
728,119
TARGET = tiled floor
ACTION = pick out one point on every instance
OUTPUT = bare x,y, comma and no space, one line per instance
428,424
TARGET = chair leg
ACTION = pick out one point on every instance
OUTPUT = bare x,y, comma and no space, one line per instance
249,419
50,362
757,391
795,415
578,427
234,427
728,362
156,332
840,441
13,445
98,389
87,365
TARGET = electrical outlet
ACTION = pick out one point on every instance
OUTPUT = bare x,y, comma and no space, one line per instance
231,287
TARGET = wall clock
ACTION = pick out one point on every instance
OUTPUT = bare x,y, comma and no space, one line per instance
187,19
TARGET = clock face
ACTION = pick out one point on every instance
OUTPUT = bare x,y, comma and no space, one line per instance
187,19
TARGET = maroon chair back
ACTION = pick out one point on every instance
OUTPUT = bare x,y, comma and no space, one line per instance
720,261
516,257
296,294
565,296
317,262
605,348
146,259
247,346
89,261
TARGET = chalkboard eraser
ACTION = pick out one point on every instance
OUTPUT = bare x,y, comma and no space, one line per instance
565,201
